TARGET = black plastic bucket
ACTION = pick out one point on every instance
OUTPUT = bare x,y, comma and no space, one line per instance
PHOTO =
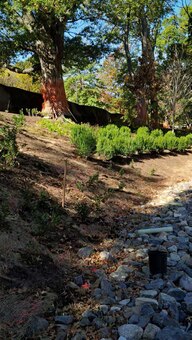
157,261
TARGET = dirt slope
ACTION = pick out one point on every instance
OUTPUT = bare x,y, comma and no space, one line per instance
39,240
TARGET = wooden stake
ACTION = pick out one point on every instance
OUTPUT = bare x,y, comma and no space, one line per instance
64,183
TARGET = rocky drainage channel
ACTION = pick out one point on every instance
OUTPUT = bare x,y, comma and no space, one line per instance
133,305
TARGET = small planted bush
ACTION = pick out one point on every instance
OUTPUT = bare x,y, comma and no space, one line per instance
183,143
61,128
158,143
189,138
106,147
19,121
107,141
156,133
143,131
83,137
8,146
170,141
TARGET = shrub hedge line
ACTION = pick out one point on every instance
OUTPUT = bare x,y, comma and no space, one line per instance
111,141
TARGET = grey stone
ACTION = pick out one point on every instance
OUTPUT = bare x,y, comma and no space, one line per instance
142,300
188,301
79,280
85,252
104,309
150,293
106,256
159,319
176,275
155,284
143,321
186,282
134,319
175,257
177,293
99,323
121,273
61,335
106,287
104,332
130,331
115,308
84,322
147,310
150,331
64,319
170,333
79,336
172,249
35,326
124,302
165,300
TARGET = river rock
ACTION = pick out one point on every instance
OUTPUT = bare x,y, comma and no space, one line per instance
150,331
186,282
130,331
36,326
177,293
121,273
170,333
64,319
85,252
142,300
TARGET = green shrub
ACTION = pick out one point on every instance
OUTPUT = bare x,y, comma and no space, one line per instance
124,131
8,146
143,131
158,143
106,147
110,131
60,127
189,137
156,133
83,137
128,147
169,134
108,143
183,143
142,143
19,121
83,210
170,143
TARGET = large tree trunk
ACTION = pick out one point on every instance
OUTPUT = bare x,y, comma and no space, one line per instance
141,108
50,50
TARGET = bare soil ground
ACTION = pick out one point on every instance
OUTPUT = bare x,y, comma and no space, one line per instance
39,240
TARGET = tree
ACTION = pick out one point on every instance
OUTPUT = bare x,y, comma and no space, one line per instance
135,26
174,45
39,27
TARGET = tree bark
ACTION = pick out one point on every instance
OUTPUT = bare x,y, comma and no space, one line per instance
141,108
50,52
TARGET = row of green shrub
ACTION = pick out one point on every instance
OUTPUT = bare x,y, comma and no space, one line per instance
60,127
110,141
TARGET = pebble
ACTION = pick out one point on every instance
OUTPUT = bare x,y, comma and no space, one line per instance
130,331
85,252
186,283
